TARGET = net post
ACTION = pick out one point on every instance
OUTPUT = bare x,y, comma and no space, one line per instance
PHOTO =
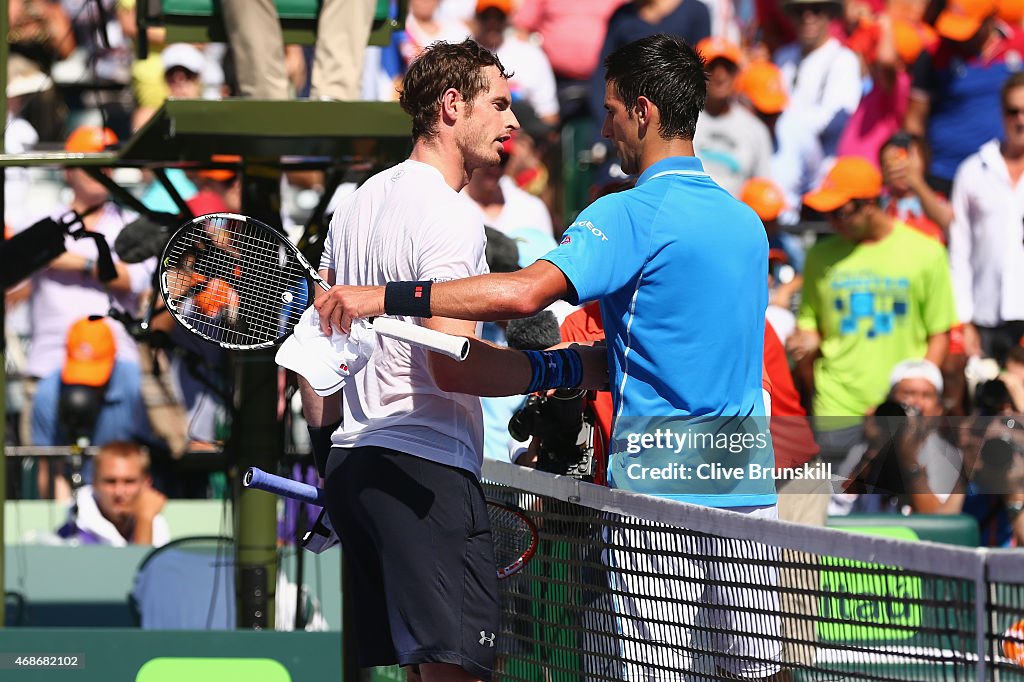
257,440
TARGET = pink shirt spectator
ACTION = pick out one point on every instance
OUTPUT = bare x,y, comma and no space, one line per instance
572,32
878,117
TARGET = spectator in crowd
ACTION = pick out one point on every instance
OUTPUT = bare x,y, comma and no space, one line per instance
760,87
986,240
954,101
906,194
121,507
93,396
571,35
533,150
68,287
423,27
457,10
24,81
257,45
995,494
183,64
41,32
148,87
824,83
877,293
785,254
218,189
732,143
1013,377
906,464
532,78
503,205
886,47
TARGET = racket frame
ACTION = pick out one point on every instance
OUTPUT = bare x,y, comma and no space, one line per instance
173,307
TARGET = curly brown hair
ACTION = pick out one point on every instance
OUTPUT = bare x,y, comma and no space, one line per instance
442,66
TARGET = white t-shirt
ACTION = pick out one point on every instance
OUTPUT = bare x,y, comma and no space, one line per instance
91,520
406,224
532,78
521,211
59,299
733,147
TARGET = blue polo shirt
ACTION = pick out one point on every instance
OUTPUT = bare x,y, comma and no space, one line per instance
681,270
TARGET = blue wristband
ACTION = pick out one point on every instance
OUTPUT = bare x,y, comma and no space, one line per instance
562,368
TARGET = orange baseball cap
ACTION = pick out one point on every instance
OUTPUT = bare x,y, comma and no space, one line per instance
1011,11
90,353
90,140
913,37
761,83
716,47
505,6
852,177
962,18
764,196
216,296
221,174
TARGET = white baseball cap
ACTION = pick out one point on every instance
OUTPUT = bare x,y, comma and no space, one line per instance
185,55
917,369
326,362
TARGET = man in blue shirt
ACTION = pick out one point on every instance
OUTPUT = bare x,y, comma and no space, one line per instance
680,269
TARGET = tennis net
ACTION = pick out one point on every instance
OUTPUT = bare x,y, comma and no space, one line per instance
627,587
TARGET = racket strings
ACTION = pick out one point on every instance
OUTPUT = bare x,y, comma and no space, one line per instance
237,281
512,535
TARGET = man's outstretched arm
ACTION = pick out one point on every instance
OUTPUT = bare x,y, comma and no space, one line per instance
485,298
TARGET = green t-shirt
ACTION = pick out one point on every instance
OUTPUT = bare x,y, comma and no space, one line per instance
874,306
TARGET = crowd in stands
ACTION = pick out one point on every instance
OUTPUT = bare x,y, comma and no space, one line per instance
881,142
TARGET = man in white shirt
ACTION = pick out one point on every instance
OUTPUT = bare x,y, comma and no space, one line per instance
121,507
503,205
732,143
824,83
986,236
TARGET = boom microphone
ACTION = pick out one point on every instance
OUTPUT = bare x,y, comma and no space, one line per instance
144,238
536,332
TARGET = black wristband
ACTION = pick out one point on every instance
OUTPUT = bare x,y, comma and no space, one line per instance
320,445
407,298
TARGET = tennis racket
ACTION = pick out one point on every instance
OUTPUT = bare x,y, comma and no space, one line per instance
514,533
241,284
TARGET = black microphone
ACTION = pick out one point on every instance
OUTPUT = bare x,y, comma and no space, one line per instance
30,250
537,332
144,238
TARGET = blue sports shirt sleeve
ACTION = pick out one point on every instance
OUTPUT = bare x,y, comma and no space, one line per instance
602,251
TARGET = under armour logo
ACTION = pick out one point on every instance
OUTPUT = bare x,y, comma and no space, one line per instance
485,640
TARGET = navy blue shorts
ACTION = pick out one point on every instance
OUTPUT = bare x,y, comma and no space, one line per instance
420,561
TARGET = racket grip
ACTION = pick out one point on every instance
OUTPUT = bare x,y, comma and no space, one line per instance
285,487
455,347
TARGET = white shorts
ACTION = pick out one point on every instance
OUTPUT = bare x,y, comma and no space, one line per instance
676,596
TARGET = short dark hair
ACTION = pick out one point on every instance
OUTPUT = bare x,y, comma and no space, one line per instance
667,71
1014,81
442,66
